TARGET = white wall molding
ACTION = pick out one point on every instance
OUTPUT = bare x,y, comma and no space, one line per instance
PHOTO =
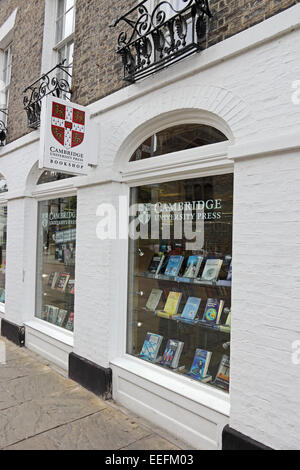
255,149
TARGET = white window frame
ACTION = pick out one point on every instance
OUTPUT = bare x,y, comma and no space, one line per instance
6,38
51,48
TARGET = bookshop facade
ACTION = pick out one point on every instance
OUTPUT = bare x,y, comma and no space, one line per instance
157,278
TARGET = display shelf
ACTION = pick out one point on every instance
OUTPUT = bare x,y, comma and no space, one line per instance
197,323
185,280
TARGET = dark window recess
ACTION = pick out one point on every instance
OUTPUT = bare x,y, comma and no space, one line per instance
177,138
50,176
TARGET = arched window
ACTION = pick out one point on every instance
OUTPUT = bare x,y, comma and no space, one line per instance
177,138
50,176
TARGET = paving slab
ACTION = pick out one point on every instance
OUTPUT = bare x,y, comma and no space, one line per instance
41,409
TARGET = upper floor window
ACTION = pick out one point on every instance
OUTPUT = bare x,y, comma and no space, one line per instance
6,76
64,38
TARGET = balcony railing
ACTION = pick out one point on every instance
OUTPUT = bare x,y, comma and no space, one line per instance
160,35
56,82
3,128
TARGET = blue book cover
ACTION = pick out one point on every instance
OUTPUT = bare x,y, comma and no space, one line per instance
174,265
200,364
191,308
213,310
151,346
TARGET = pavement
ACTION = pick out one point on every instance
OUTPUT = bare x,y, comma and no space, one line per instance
41,409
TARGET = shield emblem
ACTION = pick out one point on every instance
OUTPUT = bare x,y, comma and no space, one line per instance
67,125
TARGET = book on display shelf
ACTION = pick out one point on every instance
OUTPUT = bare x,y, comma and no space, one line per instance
52,314
151,346
222,377
172,353
70,322
171,305
229,275
61,317
154,299
52,280
70,289
45,313
199,367
211,270
193,266
213,311
62,282
190,309
174,265
156,264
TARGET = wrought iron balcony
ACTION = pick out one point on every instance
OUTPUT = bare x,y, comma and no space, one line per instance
56,82
3,128
160,35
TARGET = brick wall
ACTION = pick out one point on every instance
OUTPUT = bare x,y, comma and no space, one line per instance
26,60
97,70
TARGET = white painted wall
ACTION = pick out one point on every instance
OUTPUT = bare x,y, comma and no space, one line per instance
245,85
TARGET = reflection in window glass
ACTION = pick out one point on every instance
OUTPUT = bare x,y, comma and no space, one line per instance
49,176
179,298
174,139
56,261
3,185
64,19
3,231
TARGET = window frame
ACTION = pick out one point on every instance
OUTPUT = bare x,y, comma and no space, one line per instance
3,203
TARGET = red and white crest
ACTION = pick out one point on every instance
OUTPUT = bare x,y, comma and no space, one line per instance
67,125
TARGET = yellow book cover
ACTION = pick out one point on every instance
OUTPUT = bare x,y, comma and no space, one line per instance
171,305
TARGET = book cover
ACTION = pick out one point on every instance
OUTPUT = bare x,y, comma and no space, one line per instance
174,265
200,364
156,264
61,317
52,313
171,305
211,269
172,353
71,286
222,377
70,323
213,311
52,280
151,346
191,308
45,313
193,266
229,275
62,282
154,299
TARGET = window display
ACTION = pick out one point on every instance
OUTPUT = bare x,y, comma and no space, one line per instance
3,231
56,261
179,300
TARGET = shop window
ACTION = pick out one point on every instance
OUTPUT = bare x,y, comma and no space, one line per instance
49,176
56,261
3,232
176,138
179,299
